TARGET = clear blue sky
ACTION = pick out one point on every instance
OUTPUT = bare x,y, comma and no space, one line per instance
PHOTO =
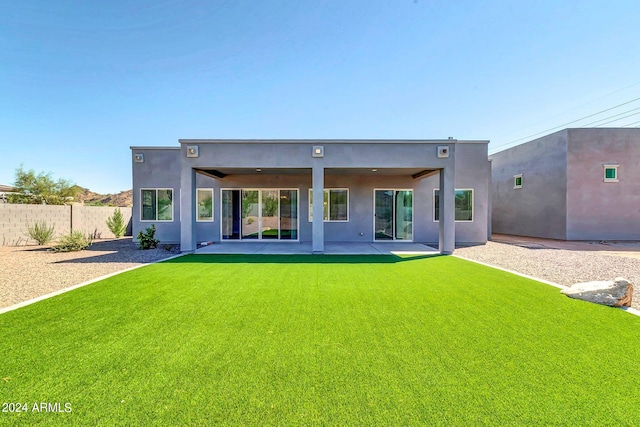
81,81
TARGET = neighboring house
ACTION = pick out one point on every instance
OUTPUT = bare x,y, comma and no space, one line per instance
426,191
4,191
575,184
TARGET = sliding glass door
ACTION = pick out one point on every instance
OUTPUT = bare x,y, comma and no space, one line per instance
393,219
270,214
288,214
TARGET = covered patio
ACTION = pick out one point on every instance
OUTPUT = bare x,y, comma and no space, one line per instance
297,248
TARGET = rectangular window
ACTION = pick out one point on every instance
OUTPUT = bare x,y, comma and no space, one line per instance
463,205
157,204
335,203
610,173
205,204
517,181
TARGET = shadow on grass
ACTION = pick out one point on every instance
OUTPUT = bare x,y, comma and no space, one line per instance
296,259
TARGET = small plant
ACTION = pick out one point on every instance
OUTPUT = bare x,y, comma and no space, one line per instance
74,241
147,239
41,232
116,224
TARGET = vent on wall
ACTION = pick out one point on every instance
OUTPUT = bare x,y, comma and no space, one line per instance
443,151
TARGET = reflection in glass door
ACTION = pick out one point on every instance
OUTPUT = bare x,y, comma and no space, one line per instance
250,214
259,214
393,215
384,215
289,214
269,224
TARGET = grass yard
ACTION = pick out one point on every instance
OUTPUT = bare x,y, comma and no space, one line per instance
320,340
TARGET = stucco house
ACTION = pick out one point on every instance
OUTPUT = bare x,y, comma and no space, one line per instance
575,184
5,190
313,191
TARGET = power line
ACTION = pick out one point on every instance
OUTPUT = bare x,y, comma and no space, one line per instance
565,125
630,124
611,117
634,114
578,106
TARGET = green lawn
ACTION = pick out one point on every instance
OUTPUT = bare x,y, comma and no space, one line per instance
320,340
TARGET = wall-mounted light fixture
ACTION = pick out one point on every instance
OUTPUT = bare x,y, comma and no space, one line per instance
443,151
318,151
138,157
192,151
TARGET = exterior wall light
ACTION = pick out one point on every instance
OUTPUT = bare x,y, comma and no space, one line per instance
192,151
443,151
139,158
318,151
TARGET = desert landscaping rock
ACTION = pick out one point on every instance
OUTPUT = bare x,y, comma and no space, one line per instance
614,293
28,272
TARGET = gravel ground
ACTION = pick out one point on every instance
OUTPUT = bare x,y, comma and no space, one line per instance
565,267
27,272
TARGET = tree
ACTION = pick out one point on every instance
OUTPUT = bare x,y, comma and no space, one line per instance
41,189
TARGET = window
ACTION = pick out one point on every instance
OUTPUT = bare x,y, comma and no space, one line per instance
463,205
157,204
336,204
205,204
517,181
611,173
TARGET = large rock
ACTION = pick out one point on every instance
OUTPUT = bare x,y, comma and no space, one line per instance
617,293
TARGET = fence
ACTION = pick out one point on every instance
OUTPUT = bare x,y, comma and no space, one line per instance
15,218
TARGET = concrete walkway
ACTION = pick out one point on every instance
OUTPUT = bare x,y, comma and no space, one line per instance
297,248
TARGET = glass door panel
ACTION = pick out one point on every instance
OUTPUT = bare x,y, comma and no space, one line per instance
393,215
250,214
230,217
288,214
383,215
269,224
404,215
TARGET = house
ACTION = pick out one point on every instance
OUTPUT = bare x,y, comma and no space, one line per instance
424,191
575,184
5,190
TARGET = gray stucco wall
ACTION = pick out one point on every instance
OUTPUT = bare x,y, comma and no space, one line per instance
473,170
599,210
162,168
539,208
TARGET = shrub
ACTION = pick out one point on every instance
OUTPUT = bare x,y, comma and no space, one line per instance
147,239
74,241
116,224
41,232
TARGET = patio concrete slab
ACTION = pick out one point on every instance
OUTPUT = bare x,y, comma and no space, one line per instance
297,248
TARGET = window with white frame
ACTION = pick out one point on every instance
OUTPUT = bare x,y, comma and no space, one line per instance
517,181
157,204
335,205
611,173
205,204
463,205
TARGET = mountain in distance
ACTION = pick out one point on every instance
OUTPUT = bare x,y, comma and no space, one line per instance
89,198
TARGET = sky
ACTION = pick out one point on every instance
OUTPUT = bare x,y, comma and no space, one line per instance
82,81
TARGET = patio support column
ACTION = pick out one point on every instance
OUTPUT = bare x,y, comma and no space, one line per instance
187,208
447,231
317,177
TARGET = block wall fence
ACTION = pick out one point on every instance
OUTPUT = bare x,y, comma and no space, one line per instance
15,218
